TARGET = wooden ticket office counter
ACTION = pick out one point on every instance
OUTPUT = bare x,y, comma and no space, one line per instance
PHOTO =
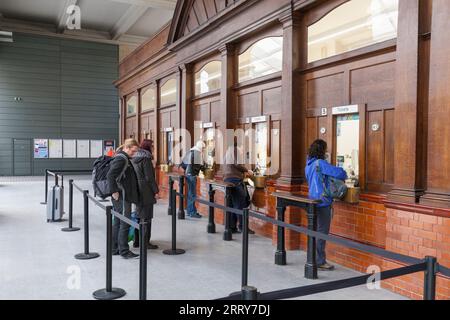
360,74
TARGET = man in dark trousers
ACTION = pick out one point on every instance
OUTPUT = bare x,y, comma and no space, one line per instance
123,185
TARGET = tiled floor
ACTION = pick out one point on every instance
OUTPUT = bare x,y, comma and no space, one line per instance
37,259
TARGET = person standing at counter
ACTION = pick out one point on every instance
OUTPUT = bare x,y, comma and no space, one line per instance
148,189
318,171
235,173
193,163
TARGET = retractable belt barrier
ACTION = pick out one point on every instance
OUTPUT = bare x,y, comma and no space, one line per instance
107,293
429,265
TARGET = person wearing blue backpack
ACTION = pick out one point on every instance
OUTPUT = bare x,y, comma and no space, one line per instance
325,182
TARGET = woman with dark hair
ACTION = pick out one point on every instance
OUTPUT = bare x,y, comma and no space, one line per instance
318,171
148,189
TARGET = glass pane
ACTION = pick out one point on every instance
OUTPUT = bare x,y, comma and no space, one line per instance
131,105
355,24
261,148
149,99
347,144
208,78
169,92
210,147
169,147
263,58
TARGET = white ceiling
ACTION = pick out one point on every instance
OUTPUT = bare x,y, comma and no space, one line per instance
115,20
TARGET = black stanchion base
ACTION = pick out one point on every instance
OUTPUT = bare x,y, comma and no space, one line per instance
181,215
172,252
87,256
227,235
280,258
211,228
311,272
115,293
235,293
70,229
43,202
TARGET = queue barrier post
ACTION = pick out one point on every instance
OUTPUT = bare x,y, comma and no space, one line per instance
173,250
46,187
86,255
109,293
143,229
429,286
249,293
171,182
70,228
245,228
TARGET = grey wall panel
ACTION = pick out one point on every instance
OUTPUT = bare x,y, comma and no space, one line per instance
67,93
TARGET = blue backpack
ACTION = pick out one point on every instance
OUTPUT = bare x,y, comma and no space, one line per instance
337,189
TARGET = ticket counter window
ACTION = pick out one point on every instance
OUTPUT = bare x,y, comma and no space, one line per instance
347,144
208,79
261,147
353,25
261,59
210,148
131,105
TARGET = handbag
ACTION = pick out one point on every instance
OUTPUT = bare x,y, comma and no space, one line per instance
337,189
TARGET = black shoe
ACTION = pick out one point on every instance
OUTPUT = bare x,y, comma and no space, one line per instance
130,255
152,246
196,216
234,230
115,252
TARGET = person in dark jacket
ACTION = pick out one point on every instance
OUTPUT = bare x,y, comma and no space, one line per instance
148,189
194,161
234,173
123,185
316,184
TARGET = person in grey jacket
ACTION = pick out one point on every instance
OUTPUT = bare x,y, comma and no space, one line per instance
148,189
123,185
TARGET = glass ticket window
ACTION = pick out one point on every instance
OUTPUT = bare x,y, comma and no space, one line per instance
261,145
210,148
148,99
208,78
347,144
167,146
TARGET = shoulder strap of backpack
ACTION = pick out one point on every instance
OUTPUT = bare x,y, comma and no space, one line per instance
326,192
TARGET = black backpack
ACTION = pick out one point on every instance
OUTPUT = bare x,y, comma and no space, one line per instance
99,176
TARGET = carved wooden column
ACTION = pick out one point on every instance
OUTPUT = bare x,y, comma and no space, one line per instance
186,112
292,111
228,103
438,175
411,76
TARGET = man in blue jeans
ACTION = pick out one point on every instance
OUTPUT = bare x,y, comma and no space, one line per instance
316,162
194,163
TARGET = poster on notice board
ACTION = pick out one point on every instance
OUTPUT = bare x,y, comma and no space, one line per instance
55,148
96,148
41,148
70,148
83,149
